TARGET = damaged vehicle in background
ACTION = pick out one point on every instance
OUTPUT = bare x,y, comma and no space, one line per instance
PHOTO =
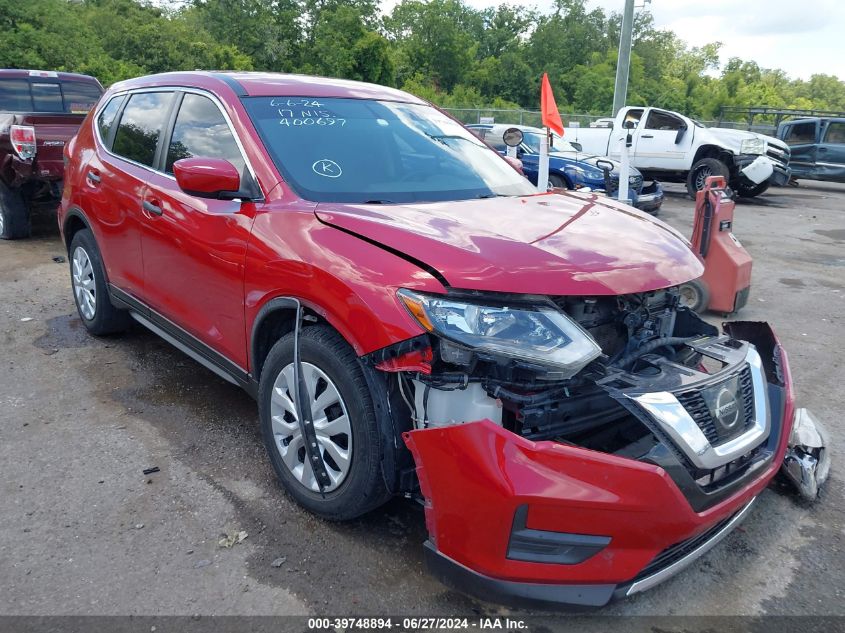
569,167
416,319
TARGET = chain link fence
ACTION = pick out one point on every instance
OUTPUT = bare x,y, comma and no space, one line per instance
516,117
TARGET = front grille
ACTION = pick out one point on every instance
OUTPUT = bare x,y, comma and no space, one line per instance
676,552
694,403
778,155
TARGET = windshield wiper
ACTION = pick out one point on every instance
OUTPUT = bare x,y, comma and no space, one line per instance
449,137
378,201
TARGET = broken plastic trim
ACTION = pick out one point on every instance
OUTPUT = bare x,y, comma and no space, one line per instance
807,460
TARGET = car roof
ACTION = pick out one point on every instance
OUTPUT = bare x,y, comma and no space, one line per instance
24,73
262,84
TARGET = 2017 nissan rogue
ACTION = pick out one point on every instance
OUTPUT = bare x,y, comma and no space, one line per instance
415,318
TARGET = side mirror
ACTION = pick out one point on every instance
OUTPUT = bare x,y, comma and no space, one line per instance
681,132
513,137
208,178
578,147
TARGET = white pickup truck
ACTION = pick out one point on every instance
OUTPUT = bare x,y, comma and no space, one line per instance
674,148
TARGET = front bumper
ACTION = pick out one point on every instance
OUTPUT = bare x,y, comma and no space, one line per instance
650,198
780,173
547,524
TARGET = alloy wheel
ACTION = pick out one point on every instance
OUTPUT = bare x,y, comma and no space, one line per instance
84,285
331,424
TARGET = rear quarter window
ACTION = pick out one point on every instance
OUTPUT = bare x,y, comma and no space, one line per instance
105,122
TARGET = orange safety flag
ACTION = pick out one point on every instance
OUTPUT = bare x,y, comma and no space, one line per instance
548,107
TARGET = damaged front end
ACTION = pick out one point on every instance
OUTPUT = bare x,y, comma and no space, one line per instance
569,450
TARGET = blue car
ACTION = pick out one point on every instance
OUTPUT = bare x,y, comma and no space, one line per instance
571,169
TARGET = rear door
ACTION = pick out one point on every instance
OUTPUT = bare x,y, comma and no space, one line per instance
801,136
194,248
128,130
657,145
830,158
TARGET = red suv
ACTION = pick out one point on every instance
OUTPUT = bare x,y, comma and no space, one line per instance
414,318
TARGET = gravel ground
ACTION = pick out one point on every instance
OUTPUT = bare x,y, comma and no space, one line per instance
83,531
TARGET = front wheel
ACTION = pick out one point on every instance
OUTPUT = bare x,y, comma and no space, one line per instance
344,421
701,171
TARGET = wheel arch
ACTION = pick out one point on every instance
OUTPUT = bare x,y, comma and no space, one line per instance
73,222
713,151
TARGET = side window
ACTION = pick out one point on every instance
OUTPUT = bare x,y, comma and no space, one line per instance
800,133
14,95
106,119
658,120
201,130
140,126
633,116
47,97
835,133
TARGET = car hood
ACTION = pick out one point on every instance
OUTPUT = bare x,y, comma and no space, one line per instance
734,138
549,244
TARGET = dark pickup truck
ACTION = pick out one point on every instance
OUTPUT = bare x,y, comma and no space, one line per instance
40,111
818,147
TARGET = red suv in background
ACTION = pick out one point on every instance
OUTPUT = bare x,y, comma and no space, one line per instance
40,111
414,318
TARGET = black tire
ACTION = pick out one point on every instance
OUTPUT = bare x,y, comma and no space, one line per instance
558,181
701,170
106,318
695,295
14,214
363,488
747,190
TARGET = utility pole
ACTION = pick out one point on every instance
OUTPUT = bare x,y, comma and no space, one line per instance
620,91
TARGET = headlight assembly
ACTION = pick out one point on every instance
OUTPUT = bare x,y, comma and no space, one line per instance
540,334
753,146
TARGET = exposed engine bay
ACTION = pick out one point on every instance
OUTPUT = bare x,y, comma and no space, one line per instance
636,376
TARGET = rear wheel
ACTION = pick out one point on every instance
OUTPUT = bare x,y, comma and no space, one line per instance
701,171
90,291
341,406
14,214
694,295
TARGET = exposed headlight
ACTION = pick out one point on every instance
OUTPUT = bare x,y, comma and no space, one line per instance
753,146
540,334
584,172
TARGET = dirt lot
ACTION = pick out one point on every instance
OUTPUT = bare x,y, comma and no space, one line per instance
84,531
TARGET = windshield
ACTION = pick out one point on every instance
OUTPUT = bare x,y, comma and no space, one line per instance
356,150
533,140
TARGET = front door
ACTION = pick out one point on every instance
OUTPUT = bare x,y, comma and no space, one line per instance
194,248
830,157
658,144
801,138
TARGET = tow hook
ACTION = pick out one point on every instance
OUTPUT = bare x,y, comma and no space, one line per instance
807,460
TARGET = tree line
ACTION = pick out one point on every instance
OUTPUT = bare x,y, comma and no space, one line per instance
442,50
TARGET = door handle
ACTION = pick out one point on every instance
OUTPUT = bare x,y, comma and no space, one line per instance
94,176
822,149
151,208
647,136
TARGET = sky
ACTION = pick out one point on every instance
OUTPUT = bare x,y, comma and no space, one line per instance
802,38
